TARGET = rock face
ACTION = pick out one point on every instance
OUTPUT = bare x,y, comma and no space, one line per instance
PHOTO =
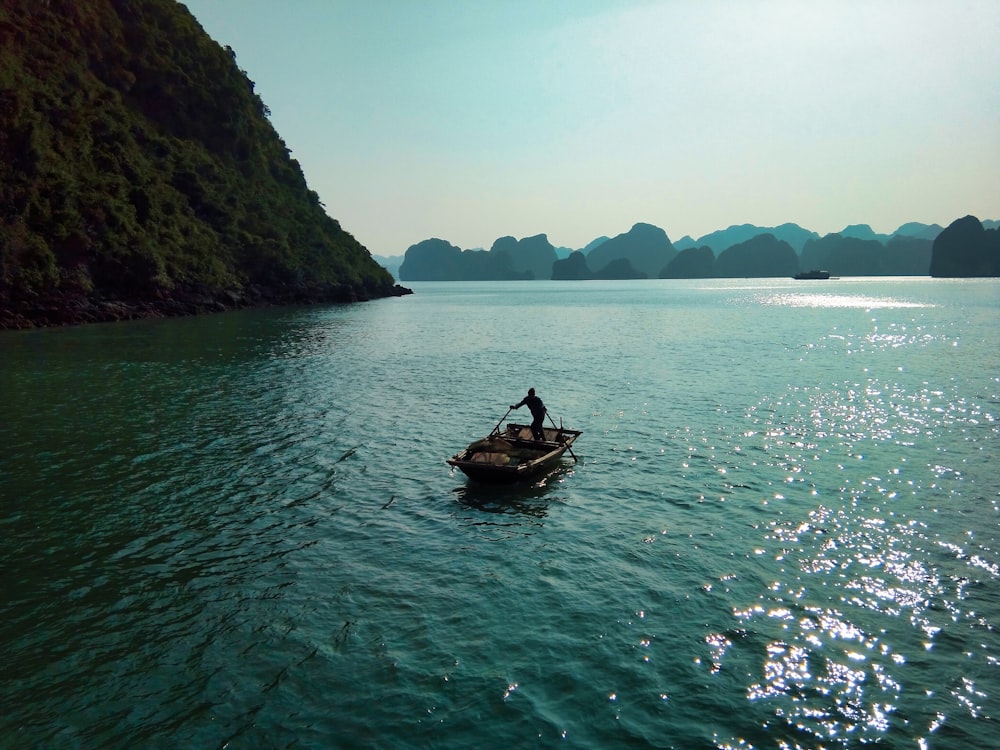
140,175
966,248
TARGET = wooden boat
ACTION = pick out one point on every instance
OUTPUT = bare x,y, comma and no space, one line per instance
814,274
514,454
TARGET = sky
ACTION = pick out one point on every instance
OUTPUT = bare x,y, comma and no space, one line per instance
469,120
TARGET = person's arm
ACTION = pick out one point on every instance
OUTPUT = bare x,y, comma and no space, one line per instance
518,405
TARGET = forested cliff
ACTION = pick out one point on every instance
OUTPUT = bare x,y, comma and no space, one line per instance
140,175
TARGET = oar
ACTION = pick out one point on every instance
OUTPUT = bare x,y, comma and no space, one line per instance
557,431
496,429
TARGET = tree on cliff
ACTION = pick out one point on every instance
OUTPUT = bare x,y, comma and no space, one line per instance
137,165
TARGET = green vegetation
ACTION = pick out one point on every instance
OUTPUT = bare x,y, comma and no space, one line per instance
139,174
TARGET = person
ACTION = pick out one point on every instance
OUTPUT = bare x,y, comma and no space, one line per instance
537,409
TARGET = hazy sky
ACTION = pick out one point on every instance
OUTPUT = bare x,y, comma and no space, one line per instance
469,120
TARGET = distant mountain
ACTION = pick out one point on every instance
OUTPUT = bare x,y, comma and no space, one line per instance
966,248
845,256
687,242
437,260
691,263
763,255
619,269
572,268
908,256
918,230
853,256
533,255
723,239
432,260
636,254
862,232
646,247
508,259
594,243
797,237
576,268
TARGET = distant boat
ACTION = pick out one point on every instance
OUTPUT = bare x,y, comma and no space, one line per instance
814,274
514,454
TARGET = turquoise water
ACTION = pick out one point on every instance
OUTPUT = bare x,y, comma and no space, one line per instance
240,531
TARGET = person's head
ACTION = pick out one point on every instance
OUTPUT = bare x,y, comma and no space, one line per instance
531,391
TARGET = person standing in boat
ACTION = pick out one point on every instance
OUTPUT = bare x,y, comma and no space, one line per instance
537,409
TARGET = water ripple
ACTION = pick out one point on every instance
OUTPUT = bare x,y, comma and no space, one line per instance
242,530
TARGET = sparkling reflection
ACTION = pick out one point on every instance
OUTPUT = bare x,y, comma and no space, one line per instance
879,568
820,299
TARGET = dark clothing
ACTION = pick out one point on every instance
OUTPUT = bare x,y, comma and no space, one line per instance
537,409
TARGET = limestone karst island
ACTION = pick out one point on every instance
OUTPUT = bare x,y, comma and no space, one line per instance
140,175
967,247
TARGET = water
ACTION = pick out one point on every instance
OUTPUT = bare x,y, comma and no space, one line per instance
239,530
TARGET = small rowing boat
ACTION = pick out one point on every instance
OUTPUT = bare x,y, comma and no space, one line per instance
513,454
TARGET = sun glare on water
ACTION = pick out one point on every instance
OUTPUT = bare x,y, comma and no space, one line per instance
865,302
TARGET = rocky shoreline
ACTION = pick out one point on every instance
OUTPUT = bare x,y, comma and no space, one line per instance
67,308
